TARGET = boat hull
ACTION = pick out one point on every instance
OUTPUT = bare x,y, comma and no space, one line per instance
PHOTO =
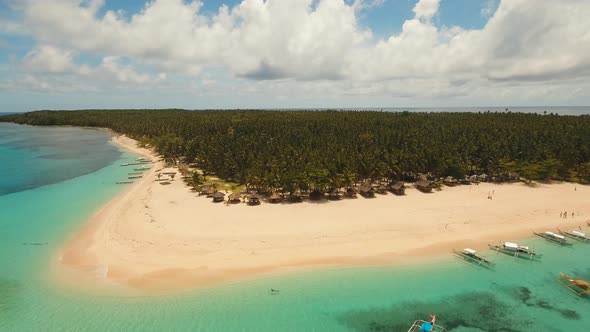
474,259
554,240
518,254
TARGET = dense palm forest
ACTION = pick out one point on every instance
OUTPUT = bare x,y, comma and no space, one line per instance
289,150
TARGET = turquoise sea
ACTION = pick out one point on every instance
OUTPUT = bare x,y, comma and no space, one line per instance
54,178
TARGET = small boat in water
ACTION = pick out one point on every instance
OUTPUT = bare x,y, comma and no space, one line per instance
553,237
577,286
424,326
576,235
516,250
134,177
141,169
124,182
471,255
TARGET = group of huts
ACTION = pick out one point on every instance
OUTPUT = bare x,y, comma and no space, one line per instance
423,183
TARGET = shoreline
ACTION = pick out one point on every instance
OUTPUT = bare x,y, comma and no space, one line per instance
157,239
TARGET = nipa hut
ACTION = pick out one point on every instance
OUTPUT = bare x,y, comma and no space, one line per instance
398,188
207,190
450,181
253,200
366,191
218,196
316,195
351,193
275,198
235,198
424,185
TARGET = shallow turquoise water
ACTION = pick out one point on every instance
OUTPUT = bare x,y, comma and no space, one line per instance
518,295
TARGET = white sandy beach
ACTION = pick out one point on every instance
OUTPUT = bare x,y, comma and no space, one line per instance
158,237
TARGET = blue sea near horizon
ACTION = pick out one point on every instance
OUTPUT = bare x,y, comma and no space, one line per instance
518,295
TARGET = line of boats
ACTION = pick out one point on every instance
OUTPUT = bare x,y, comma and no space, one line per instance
137,172
577,286
517,250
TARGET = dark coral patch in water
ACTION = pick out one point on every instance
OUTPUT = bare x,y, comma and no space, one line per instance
478,310
526,297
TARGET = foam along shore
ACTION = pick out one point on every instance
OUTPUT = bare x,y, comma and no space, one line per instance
155,237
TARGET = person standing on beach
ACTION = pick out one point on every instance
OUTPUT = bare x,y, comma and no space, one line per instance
560,214
565,214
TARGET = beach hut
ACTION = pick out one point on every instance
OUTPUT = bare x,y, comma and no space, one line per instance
207,190
218,196
424,185
450,181
482,177
351,193
473,179
366,191
235,198
253,200
295,197
398,188
316,195
275,198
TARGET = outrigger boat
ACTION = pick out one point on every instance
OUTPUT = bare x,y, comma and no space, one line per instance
141,169
577,286
424,326
555,238
134,177
134,173
471,255
576,235
513,249
124,182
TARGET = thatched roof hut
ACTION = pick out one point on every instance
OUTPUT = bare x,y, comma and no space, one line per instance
235,198
482,177
450,181
424,185
351,193
366,191
398,188
316,195
218,196
253,199
207,190
275,198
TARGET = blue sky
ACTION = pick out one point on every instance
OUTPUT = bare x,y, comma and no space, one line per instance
291,53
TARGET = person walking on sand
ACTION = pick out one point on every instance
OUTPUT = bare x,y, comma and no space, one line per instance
565,214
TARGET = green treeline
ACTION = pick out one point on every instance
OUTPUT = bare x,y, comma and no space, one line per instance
325,149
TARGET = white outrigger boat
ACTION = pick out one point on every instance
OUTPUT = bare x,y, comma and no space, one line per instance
471,255
576,235
424,326
553,237
516,250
